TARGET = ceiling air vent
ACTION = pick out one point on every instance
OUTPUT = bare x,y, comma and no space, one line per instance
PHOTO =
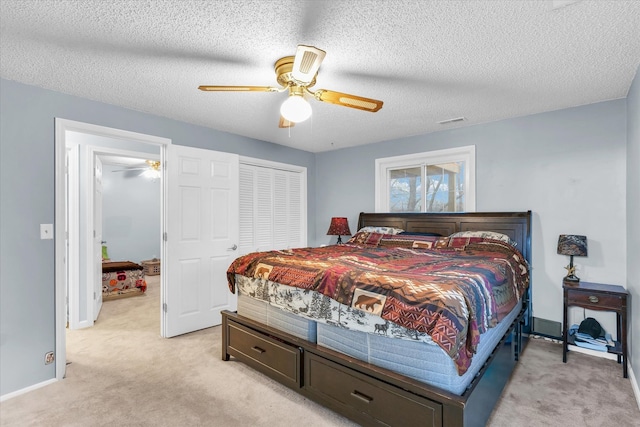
457,119
557,4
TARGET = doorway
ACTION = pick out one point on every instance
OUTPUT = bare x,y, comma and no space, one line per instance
199,211
127,223
69,243
85,204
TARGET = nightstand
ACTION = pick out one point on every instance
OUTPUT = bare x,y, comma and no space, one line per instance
597,296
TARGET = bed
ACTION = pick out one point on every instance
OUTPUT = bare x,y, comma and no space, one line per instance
416,323
122,279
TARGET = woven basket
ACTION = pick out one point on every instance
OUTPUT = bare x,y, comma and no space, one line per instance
151,267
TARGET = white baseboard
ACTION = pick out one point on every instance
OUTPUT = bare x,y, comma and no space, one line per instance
26,390
634,385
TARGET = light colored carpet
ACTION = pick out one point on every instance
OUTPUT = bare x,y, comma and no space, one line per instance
121,373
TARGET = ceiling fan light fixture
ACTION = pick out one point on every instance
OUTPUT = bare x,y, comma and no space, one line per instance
151,174
296,109
154,170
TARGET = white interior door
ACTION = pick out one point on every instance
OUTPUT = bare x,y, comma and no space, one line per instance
202,237
97,238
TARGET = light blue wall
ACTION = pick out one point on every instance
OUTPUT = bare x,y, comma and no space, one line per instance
633,223
566,166
27,318
130,215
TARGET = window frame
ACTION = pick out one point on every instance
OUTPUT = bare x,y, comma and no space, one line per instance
466,154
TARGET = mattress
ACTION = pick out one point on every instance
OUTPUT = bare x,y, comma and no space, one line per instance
420,358
313,307
424,362
261,311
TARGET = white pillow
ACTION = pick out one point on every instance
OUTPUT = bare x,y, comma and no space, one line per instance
485,235
381,230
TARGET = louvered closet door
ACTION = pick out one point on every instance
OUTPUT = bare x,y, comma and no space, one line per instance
271,209
256,209
263,210
281,210
247,202
287,210
297,216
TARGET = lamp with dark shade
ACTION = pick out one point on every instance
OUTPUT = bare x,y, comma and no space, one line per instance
572,245
339,227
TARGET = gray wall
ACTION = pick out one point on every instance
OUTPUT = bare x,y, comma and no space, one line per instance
633,216
130,215
27,285
566,166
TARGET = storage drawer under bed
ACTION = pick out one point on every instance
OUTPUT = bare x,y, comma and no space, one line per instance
368,400
277,359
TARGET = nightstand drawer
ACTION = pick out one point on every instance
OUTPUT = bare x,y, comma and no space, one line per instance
269,356
371,402
594,300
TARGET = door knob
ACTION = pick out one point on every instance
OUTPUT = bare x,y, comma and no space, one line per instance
233,248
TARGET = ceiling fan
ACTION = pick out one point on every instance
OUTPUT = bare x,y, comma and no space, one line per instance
150,170
297,74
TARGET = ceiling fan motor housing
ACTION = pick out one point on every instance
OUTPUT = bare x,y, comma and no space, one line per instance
284,73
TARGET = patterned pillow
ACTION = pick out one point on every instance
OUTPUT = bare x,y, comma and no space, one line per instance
394,240
456,242
485,235
393,243
418,244
417,241
380,230
365,238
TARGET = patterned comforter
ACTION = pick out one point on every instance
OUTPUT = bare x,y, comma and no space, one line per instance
453,290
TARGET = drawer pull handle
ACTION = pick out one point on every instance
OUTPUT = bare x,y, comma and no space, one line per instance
362,397
258,349
593,299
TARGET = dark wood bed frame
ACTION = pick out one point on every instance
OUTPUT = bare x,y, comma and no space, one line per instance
371,395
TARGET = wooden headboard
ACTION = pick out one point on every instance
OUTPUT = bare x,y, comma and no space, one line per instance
516,225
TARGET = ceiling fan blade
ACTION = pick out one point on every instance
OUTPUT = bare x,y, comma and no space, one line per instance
284,123
346,100
306,63
238,89
130,169
130,173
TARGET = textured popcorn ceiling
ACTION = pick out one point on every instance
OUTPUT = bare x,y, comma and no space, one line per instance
428,61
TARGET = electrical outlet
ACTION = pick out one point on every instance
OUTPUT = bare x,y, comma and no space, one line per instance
49,358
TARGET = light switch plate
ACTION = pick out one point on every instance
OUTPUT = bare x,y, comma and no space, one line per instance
46,231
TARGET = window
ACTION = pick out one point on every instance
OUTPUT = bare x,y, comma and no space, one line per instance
435,181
